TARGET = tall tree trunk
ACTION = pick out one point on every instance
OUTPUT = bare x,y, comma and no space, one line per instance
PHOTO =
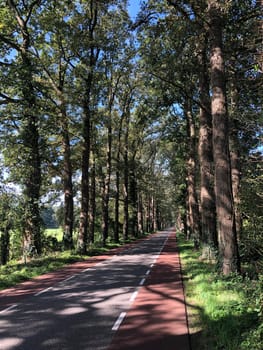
32,184
140,215
90,62
228,248
235,156
191,177
4,244
148,213
236,181
106,192
67,183
126,176
117,206
85,167
133,200
117,194
118,166
207,194
92,206
151,213
154,210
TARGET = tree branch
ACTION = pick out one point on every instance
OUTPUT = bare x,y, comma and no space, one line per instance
9,42
6,99
181,88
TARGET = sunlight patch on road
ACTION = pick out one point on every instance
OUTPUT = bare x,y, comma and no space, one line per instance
71,311
9,343
8,309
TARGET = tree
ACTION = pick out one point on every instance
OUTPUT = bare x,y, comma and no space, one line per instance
205,150
116,63
125,99
18,39
228,248
88,16
193,208
171,38
56,65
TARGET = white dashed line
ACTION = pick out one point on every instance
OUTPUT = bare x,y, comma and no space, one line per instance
42,291
148,272
119,321
8,309
68,279
133,296
142,282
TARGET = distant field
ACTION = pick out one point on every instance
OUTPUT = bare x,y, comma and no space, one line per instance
54,232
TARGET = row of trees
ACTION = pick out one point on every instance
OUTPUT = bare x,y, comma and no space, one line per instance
71,122
141,123
210,63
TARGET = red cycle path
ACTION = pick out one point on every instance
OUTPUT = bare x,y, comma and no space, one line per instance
157,319
13,295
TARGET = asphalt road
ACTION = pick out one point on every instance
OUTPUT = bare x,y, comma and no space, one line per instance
84,310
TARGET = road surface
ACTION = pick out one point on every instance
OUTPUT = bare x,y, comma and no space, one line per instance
131,300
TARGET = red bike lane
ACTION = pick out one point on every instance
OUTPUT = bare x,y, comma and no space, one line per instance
157,319
16,294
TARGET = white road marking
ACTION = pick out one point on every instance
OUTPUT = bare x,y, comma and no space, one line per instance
142,282
42,291
8,308
68,279
133,296
148,272
117,324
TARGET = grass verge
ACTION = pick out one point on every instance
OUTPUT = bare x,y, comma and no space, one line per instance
16,271
225,313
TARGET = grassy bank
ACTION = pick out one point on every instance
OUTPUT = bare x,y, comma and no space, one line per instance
17,271
225,313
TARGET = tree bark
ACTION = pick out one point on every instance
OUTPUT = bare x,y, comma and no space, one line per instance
92,206
235,156
106,192
193,208
236,182
117,194
67,182
85,167
4,244
207,195
228,248
133,200
126,179
90,62
140,215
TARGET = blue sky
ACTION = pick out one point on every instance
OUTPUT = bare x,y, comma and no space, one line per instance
133,7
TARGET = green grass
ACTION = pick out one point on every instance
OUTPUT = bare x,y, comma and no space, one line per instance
224,312
17,271
54,232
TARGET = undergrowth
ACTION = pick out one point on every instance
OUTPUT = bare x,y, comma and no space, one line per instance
225,312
